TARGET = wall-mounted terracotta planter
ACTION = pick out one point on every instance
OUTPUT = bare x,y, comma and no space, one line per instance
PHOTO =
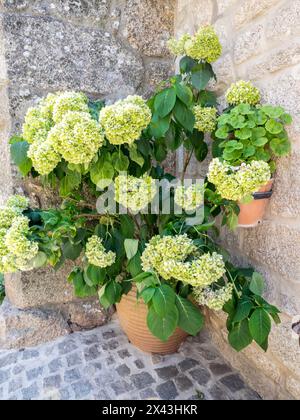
252,214
133,319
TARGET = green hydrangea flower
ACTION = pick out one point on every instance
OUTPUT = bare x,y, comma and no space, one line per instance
124,121
44,157
134,193
96,253
213,299
205,45
77,138
18,203
206,118
69,101
189,198
167,256
243,93
177,47
36,126
236,183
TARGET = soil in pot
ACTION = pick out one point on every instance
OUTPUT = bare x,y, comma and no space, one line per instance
133,319
252,214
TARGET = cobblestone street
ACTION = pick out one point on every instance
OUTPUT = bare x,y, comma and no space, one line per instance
102,364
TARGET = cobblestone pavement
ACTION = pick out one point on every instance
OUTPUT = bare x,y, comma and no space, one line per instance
102,364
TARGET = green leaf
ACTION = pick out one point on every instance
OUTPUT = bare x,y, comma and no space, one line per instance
127,226
262,141
184,116
82,290
163,299
184,93
280,147
274,127
134,265
69,183
232,220
186,64
71,251
173,139
286,119
257,284
201,151
160,151
233,145
165,102
240,336
135,155
96,275
162,327
113,292
131,247
18,151
260,325
190,318
102,173
159,126
147,294
262,154
249,151
120,161
208,98
273,111
243,310
201,78
243,133
222,132
39,260
258,132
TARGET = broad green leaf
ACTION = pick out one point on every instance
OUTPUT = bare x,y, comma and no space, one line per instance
237,121
173,139
234,145
274,127
82,290
39,260
184,116
286,119
232,220
71,251
147,294
258,132
134,265
113,292
159,126
186,64
135,155
201,78
243,133
249,151
162,327
222,132
163,299
120,161
243,310
280,147
201,151
102,173
244,109
240,336
208,98
260,325
262,141
95,274
131,247
190,318
257,284
160,151
165,102
127,226
273,111
184,93
104,301
69,183
18,151
262,154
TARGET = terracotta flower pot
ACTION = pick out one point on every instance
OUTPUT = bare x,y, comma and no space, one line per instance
252,214
133,319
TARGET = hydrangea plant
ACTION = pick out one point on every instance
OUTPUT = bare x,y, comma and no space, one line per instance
85,147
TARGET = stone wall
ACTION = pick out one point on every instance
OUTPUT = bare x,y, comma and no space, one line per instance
106,48
261,42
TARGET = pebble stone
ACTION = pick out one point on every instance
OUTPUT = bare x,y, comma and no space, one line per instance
102,365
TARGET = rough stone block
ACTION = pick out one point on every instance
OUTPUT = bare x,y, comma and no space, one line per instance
70,58
225,73
293,386
248,44
223,5
285,22
86,314
193,13
149,25
223,30
249,9
29,328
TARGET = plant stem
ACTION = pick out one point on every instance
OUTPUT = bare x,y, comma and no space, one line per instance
186,164
88,216
232,281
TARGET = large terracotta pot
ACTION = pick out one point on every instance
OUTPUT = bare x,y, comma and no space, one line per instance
252,214
133,319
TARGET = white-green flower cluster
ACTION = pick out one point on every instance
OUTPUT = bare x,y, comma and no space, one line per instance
77,138
213,299
168,257
61,127
189,198
16,250
235,184
96,253
124,121
204,45
243,92
134,193
205,118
